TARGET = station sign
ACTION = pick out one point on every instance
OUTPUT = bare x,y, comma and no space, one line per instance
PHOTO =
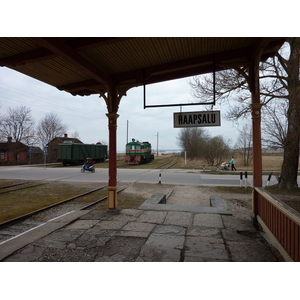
197,119
45,150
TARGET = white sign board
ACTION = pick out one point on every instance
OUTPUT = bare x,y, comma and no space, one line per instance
197,119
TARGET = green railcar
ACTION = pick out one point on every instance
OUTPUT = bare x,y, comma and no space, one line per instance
75,154
138,153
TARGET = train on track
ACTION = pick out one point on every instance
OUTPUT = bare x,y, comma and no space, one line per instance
138,153
76,154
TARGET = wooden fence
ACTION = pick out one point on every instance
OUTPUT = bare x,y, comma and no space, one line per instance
280,222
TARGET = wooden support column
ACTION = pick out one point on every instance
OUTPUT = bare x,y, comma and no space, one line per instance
256,132
112,172
112,96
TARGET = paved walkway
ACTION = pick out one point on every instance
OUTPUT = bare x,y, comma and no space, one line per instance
153,233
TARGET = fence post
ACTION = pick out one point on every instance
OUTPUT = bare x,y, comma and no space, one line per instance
241,179
159,178
246,176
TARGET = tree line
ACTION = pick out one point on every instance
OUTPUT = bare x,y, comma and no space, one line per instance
19,124
198,144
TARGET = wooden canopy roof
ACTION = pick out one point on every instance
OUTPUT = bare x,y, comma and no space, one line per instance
85,66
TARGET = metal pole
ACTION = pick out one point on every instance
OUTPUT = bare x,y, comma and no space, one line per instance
157,145
185,158
127,133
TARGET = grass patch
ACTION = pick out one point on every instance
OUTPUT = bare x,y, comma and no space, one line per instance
233,189
276,191
7,182
17,203
125,201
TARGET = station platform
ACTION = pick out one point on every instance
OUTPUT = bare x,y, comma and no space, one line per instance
152,233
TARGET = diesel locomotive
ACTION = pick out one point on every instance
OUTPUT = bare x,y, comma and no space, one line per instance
138,153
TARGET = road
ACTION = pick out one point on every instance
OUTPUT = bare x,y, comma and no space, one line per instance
171,176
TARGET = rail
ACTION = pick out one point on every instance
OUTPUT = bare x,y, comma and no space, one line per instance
280,222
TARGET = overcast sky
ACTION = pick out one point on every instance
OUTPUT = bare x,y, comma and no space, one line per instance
86,115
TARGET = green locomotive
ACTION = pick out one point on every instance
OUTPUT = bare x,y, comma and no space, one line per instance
138,153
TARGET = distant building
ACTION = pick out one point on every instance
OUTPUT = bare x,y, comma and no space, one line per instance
52,146
36,155
13,153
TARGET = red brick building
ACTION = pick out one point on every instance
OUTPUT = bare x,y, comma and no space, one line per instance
13,153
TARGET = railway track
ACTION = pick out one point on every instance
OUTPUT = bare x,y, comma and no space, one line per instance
11,188
26,222
166,165
169,164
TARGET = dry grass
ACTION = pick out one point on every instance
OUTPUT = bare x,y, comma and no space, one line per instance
271,161
16,203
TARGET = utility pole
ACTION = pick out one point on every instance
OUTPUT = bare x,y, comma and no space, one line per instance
127,133
157,145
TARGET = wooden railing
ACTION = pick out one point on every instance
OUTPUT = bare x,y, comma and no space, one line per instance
280,222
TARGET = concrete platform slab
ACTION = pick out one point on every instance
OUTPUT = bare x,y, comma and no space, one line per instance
204,231
179,218
170,229
166,240
138,226
125,248
194,247
157,217
208,220
110,225
154,253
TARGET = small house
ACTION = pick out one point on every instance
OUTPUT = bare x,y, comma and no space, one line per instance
13,153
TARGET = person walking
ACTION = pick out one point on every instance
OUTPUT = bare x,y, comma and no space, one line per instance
232,164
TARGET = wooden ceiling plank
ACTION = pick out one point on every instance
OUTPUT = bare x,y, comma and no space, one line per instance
64,51
184,64
23,58
78,44
86,43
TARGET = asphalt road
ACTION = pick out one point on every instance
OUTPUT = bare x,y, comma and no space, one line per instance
172,176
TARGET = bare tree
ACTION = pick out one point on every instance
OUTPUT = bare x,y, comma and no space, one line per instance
75,135
192,140
244,145
50,127
275,124
215,150
18,124
198,144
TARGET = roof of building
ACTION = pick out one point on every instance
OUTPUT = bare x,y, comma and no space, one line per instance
84,66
